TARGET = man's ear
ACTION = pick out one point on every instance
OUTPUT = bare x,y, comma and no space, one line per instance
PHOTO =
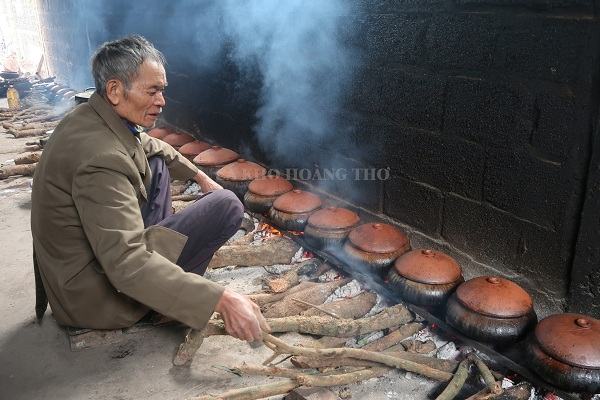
114,91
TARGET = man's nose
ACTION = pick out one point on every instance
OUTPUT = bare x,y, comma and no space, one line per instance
159,99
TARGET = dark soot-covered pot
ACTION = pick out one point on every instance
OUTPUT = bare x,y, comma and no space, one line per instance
263,191
192,149
215,158
491,309
564,349
291,210
375,246
237,175
177,139
329,227
425,277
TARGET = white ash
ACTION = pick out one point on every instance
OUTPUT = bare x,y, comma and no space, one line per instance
448,352
243,280
347,291
328,276
278,269
380,305
300,256
193,188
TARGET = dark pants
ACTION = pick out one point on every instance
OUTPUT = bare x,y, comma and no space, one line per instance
208,222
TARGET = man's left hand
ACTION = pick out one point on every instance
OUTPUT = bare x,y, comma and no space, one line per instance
206,184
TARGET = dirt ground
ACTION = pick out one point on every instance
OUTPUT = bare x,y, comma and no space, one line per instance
36,361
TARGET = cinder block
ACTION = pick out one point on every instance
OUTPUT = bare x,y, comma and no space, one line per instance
413,99
447,163
461,41
486,112
414,204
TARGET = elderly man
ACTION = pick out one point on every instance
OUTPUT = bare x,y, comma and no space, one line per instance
106,248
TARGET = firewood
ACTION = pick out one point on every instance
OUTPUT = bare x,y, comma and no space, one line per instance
416,346
394,337
11,170
314,295
28,158
253,392
283,282
184,197
33,147
177,188
492,386
177,206
521,391
457,382
27,132
355,307
262,299
275,250
23,126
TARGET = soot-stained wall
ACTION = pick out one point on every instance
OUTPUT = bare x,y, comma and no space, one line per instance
484,111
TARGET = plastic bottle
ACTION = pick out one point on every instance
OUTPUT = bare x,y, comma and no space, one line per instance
12,95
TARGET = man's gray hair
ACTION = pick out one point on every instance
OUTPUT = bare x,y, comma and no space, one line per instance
121,59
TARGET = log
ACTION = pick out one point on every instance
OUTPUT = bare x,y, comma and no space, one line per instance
28,158
394,337
262,299
275,250
492,386
27,132
416,346
283,282
315,295
184,197
521,391
353,308
457,382
12,170
253,392
188,348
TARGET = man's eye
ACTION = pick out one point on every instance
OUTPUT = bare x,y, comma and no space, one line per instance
152,92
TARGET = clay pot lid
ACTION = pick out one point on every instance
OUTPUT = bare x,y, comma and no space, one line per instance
241,170
270,185
334,218
495,297
194,148
159,133
573,339
378,238
428,266
216,155
177,139
297,201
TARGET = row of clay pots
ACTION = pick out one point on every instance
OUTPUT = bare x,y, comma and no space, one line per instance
564,349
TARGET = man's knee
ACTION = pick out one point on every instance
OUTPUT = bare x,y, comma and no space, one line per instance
230,208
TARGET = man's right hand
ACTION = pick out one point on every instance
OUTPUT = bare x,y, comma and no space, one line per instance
242,317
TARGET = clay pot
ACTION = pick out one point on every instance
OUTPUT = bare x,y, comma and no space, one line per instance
425,277
215,158
291,210
329,227
192,149
237,175
177,139
159,133
491,309
263,191
375,246
564,349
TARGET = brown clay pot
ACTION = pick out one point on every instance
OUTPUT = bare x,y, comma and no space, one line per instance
491,309
236,176
291,210
425,277
329,227
192,149
564,349
177,139
375,246
159,133
215,158
263,191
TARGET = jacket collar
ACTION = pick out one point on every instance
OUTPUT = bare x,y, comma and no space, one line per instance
123,134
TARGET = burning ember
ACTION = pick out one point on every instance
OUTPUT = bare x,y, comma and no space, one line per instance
265,231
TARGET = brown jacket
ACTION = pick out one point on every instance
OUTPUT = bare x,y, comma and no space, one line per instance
100,268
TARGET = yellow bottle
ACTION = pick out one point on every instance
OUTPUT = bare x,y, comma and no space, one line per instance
12,95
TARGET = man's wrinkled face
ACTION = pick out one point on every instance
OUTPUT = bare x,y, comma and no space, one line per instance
142,103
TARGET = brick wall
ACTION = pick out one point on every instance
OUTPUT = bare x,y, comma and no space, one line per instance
485,111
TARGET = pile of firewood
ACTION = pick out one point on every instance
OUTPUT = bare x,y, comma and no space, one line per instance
30,121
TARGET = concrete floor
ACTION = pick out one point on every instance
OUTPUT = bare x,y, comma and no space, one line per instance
36,361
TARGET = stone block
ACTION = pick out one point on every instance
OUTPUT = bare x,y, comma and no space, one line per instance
523,185
447,163
489,112
414,204
413,99
461,41
545,48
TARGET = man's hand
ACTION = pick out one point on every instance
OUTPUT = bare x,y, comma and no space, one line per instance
206,184
242,317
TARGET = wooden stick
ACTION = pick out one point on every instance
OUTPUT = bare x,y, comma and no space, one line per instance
316,307
192,342
28,158
394,337
360,354
353,308
184,197
253,392
457,382
493,386
276,250
283,282
263,299
11,170
27,132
